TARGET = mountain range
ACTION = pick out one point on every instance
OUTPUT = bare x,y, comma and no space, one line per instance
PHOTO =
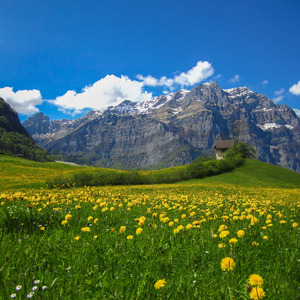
174,129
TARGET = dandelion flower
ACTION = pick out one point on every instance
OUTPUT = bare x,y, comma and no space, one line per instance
240,233
233,241
223,234
265,237
221,245
160,283
122,229
295,225
95,236
257,293
222,228
189,226
171,224
90,218
183,216
227,264
255,280
64,222
139,231
129,237
77,237
255,243
68,217
42,228
86,229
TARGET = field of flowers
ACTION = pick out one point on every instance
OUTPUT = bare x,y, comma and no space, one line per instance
179,241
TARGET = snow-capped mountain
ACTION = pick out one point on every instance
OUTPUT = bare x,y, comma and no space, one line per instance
174,129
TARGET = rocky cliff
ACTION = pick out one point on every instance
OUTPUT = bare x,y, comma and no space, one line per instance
174,129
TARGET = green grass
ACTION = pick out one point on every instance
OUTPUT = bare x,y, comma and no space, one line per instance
261,199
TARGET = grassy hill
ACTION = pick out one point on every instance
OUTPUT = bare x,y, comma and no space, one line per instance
21,173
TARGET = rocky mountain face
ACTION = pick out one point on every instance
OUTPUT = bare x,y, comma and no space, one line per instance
14,139
174,129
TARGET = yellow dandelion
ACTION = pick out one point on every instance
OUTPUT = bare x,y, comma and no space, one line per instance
227,264
95,236
233,241
171,224
42,228
221,245
255,243
214,235
255,280
183,216
240,233
189,226
129,237
77,237
176,230
96,220
86,229
64,222
257,293
122,229
68,217
160,283
2,203
139,231
222,228
295,225
264,228
223,234
176,220
112,208
265,237
90,218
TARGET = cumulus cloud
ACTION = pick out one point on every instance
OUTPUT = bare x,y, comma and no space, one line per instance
297,111
265,82
235,78
23,101
200,72
279,96
295,89
108,91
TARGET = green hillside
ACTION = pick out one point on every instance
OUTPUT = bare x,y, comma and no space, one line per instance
21,173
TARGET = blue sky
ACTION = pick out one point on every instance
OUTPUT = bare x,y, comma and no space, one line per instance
66,57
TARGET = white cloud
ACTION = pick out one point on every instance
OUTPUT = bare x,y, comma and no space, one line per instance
279,95
295,89
110,90
265,82
235,78
297,111
24,101
200,72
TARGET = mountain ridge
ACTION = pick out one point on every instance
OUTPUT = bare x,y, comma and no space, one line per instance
193,121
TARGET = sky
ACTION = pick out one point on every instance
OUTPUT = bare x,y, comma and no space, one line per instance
66,57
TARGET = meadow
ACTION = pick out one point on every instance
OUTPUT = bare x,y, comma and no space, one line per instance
230,236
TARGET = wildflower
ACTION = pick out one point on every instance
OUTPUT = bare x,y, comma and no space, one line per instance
282,222
96,220
176,230
233,241
265,237
240,233
222,228
68,217
18,287
95,207
77,237
295,225
44,287
214,235
189,226
183,216
86,229
122,229
30,295
257,293
223,234
176,220
264,228
255,280
13,295
129,237
95,236
42,228
112,208
36,282
139,231
160,283
255,243
64,222
221,245
34,288
77,206
90,218
171,224
227,264
2,204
